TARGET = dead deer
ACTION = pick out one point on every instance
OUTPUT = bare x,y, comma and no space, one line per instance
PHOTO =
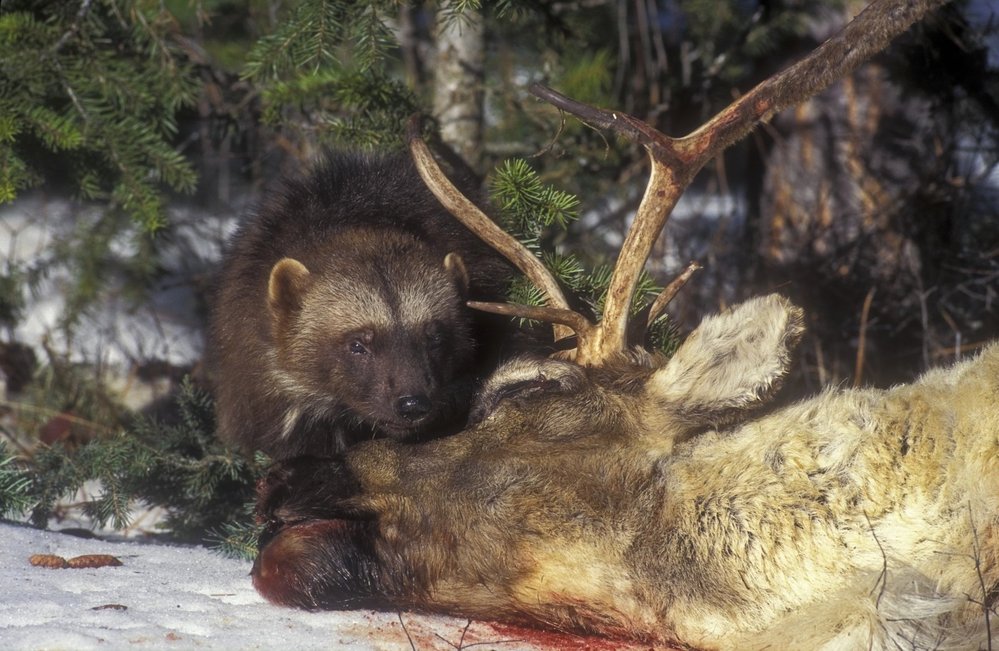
637,497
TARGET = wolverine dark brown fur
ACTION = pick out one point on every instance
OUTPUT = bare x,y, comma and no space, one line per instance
340,313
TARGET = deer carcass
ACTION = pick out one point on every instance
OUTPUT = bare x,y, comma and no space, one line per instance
615,500
632,496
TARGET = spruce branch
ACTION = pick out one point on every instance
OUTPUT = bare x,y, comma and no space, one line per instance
181,467
532,210
74,27
15,485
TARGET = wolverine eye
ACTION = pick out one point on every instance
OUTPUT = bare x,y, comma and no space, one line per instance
359,343
435,334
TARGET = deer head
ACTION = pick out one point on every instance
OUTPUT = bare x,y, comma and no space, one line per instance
633,496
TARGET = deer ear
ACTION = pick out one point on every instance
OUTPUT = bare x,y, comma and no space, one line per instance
455,267
730,363
285,291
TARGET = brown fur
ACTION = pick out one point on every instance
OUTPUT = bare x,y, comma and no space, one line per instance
340,313
646,502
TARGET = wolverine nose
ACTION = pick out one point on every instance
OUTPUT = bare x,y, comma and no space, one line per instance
413,408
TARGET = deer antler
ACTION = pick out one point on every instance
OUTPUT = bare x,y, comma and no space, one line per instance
479,223
675,162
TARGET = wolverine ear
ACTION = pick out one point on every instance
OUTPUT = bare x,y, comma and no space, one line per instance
455,268
730,363
288,281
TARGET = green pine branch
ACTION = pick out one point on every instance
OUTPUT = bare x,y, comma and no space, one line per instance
325,73
344,106
98,84
533,211
15,485
204,486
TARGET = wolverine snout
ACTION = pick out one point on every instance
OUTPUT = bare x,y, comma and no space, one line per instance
413,407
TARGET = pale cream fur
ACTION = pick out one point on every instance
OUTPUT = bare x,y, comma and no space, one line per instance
856,519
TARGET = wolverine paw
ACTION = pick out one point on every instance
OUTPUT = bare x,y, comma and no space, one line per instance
305,488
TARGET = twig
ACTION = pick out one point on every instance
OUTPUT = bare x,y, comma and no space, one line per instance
924,316
981,580
883,578
464,631
551,143
491,642
461,641
964,348
406,630
820,362
74,28
858,371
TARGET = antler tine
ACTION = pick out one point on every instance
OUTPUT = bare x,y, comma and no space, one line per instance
669,291
574,320
669,176
476,221
675,161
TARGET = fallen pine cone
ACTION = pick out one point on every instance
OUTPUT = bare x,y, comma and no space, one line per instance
94,560
53,562
50,561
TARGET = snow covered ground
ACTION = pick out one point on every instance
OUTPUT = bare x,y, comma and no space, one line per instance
114,332
178,597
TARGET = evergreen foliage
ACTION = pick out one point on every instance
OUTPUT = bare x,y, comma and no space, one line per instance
12,300
203,486
731,36
238,537
534,212
96,84
325,74
527,205
356,107
15,485
314,35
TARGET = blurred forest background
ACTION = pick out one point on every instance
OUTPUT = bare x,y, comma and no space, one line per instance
133,133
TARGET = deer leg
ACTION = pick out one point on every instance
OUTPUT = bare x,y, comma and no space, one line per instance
315,551
318,564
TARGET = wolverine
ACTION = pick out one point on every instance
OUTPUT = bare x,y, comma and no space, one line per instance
340,313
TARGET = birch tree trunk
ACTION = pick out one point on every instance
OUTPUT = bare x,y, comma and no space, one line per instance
458,82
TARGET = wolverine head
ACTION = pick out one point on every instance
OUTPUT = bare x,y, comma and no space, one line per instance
376,329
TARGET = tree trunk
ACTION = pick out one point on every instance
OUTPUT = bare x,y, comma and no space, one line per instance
458,82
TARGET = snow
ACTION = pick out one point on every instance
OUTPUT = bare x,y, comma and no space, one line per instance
114,331
186,597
